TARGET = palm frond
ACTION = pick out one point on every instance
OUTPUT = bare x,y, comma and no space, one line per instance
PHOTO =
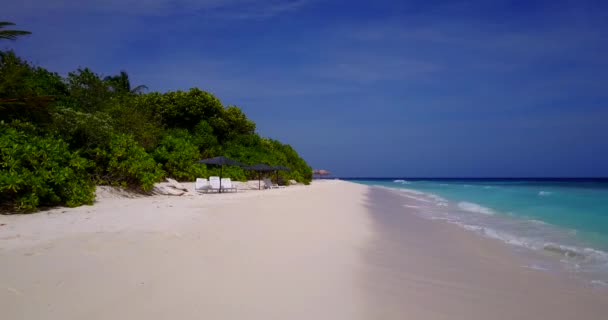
139,89
12,34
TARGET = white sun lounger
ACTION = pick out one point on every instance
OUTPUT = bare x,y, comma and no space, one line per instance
214,181
202,185
227,185
269,185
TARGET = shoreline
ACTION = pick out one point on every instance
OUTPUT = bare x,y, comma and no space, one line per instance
441,270
543,252
332,250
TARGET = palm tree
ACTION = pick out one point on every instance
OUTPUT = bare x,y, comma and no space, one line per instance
10,34
121,83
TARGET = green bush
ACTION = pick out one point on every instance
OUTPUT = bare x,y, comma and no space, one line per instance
83,131
234,173
41,171
137,120
66,131
125,163
178,154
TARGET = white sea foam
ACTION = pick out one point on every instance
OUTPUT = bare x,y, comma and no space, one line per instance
537,222
424,197
586,255
417,198
566,251
470,227
413,191
514,230
436,197
473,207
498,235
535,267
599,283
401,181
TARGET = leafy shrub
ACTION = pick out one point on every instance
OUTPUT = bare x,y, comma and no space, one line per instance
82,130
204,138
234,173
41,171
178,154
137,120
125,163
27,92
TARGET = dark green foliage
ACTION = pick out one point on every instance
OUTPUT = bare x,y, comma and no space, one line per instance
41,171
230,123
205,140
122,85
94,128
234,173
177,152
125,163
254,149
136,120
181,109
88,92
83,131
27,92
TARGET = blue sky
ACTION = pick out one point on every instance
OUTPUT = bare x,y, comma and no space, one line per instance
364,88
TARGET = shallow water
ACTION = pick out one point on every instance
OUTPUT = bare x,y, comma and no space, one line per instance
566,220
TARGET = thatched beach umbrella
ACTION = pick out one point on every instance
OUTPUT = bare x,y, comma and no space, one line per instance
221,161
260,167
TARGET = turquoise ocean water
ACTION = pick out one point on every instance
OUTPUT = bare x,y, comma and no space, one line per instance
565,220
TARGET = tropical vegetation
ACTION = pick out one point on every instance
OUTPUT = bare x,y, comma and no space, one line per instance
60,136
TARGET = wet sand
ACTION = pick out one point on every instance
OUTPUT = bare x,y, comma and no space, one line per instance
435,270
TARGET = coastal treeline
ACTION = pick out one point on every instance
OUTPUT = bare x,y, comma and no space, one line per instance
62,136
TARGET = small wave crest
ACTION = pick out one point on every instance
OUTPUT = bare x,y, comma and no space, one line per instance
495,234
417,198
401,181
544,193
474,207
424,197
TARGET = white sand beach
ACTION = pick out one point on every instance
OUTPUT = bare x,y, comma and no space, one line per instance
332,250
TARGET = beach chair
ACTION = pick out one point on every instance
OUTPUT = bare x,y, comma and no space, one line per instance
269,185
227,185
214,181
202,185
